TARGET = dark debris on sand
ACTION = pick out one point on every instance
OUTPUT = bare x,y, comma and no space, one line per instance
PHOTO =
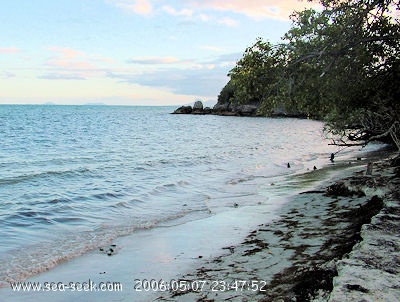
297,255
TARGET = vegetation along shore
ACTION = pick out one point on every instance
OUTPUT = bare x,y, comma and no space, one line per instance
339,64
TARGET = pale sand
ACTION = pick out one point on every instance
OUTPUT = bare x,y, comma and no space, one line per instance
222,247
299,255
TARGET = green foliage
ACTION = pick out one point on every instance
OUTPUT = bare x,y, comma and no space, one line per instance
258,74
340,64
227,93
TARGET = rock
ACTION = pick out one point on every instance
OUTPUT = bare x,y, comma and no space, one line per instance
109,250
233,108
198,108
228,113
183,110
341,189
281,110
207,110
247,110
221,107
198,105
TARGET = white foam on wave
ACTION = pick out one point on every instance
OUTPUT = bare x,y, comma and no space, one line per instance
25,262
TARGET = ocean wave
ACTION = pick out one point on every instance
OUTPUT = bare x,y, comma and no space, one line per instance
168,187
60,200
25,218
46,174
122,204
20,264
68,220
107,195
186,160
240,180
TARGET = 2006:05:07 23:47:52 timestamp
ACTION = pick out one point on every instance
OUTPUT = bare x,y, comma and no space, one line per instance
199,285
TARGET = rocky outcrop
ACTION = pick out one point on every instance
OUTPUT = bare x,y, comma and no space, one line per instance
236,109
283,111
196,109
371,271
207,110
183,110
198,105
228,109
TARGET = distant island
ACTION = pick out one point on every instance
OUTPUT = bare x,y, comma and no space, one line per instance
86,104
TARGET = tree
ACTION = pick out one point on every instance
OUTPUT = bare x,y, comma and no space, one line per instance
350,50
339,63
255,77
227,93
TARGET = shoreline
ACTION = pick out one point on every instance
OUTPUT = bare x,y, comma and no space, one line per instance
322,254
172,252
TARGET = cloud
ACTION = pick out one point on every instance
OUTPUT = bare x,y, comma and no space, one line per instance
60,76
212,48
200,9
204,17
140,7
172,11
9,50
70,64
7,75
204,82
204,78
276,9
65,52
256,9
226,59
228,22
154,60
68,58
74,64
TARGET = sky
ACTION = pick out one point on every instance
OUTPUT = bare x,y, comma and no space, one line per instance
129,52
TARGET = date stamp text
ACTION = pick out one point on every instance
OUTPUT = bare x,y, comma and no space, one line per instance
182,285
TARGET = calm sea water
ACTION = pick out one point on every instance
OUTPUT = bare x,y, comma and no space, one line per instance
73,178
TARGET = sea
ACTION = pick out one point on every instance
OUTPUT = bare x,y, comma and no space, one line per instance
73,178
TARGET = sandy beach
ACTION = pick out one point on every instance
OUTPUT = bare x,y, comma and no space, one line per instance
317,244
324,247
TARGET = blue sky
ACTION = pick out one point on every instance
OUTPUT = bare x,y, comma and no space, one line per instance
129,52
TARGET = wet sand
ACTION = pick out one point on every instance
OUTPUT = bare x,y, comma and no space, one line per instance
323,248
